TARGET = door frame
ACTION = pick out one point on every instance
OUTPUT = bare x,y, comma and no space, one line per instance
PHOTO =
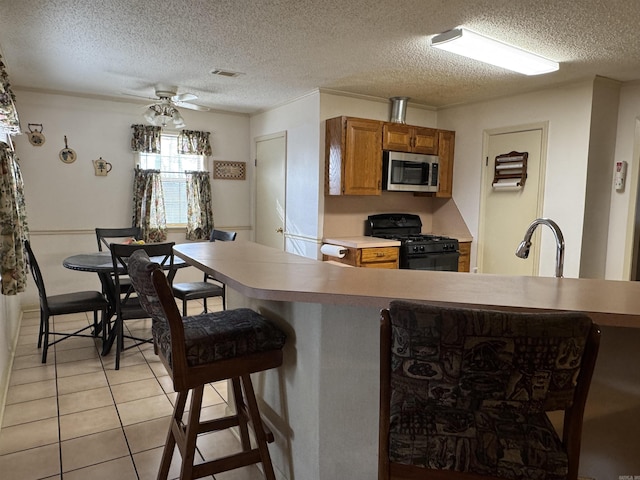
485,177
262,138
631,268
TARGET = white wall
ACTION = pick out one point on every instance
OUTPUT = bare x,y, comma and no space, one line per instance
65,202
568,111
602,141
10,315
299,118
623,203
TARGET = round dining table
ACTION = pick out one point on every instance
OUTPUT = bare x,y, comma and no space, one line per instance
102,264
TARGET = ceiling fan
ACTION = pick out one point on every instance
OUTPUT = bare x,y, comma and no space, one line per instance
165,112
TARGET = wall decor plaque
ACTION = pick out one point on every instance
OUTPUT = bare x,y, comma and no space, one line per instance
229,170
67,155
36,137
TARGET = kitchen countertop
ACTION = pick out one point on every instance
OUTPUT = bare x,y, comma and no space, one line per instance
331,316
265,273
361,242
458,236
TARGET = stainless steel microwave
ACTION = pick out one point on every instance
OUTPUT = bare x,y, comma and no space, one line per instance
410,172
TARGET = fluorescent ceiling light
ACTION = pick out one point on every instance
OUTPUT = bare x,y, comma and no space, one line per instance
472,45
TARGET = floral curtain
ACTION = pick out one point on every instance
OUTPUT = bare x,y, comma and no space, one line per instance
146,138
199,210
9,122
193,142
13,223
148,205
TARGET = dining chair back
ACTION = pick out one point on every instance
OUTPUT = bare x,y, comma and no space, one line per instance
465,392
208,288
128,303
222,236
106,236
64,304
200,349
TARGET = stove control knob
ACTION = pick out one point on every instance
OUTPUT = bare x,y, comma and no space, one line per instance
422,248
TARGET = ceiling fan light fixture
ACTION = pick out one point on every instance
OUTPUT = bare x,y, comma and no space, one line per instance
163,114
484,49
178,121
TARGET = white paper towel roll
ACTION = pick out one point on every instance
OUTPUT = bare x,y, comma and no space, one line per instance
507,183
333,250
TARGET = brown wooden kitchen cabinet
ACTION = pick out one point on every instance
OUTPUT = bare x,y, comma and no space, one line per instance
353,156
464,260
399,137
374,257
446,143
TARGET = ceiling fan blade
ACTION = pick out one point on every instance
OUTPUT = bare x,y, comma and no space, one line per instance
146,97
184,97
192,106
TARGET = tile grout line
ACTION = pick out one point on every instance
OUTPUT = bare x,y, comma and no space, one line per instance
115,404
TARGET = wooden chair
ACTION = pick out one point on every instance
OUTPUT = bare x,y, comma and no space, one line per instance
465,393
202,290
64,304
127,302
199,349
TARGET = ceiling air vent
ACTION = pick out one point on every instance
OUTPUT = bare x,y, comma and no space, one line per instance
225,73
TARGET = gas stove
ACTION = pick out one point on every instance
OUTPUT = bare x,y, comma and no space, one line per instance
418,251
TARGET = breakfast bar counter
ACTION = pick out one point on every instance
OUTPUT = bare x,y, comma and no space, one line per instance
265,273
322,404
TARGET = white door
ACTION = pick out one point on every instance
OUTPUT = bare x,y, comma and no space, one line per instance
506,213
270,205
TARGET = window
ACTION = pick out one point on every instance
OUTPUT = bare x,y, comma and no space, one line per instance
172,166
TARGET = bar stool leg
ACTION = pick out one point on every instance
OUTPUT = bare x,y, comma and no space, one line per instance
241,413
191,433
258,427
170,444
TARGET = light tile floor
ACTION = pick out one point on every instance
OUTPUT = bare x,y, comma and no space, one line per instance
76,417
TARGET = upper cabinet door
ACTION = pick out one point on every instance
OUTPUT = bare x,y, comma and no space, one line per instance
398,137
446,144
425,140
353,154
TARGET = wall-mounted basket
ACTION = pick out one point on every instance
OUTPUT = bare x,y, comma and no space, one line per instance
510,170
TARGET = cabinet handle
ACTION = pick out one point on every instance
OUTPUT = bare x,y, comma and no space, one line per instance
379,254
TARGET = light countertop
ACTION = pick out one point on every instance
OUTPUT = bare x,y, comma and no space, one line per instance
362,242
266,273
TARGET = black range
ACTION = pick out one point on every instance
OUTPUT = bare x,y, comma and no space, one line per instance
418,251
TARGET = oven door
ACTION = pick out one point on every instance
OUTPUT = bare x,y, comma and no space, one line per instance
444,262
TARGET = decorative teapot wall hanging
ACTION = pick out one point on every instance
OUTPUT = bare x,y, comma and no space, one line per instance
36,138
102,167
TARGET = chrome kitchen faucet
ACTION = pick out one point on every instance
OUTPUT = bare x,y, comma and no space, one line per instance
523,249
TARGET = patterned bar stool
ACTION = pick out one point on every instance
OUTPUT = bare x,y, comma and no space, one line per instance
200,349
464,393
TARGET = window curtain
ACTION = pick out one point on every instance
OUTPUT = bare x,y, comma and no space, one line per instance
13,223
148,205
199,210
192,142
146,138
9,122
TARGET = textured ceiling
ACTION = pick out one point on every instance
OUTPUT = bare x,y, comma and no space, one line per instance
287,48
